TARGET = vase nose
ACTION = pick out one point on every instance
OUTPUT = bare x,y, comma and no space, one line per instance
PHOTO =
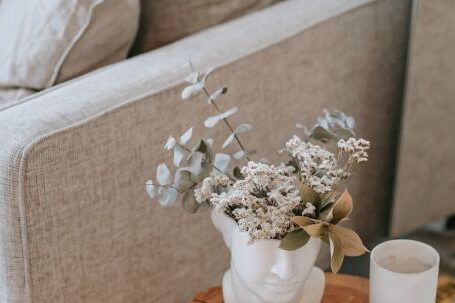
284,266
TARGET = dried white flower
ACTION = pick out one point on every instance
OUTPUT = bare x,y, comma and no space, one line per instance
209,184
357,148
318,166
309,209
263,202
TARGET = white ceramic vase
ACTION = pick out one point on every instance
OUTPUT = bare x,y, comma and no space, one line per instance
264,273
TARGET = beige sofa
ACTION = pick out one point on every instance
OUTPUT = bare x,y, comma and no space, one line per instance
75,222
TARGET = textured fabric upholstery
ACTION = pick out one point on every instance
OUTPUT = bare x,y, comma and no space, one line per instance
75,222
425,180
165,21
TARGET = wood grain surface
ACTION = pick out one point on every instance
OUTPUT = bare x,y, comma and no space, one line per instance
339,288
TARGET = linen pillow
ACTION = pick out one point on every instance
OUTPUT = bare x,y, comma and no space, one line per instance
165,21
48,42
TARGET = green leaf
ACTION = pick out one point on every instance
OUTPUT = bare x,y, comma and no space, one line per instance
325,209
200,146
309,195
294,162
294,240
222,161
321,134
342,208
336,252
302,221
237,173
182,180
342,133
189,202
317,230
351,244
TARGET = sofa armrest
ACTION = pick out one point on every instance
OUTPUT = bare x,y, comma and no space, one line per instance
75,223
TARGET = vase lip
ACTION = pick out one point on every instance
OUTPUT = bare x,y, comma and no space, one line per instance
237,228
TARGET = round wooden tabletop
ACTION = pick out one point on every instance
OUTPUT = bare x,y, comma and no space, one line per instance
338,288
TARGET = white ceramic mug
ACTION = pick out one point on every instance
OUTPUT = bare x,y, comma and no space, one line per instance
403,271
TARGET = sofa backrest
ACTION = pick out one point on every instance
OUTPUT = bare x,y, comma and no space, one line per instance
165,21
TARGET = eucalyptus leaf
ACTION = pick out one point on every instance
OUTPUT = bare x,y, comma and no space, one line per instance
182,180
170,143
186,136
150,189
239,155
189,202
195,163
167,196
242,128
193,78
192,91
217,94
228,140
222,161
179,154
294,240
213,120
163,175
229,113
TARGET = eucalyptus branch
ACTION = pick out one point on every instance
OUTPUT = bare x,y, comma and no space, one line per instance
231,129
212,101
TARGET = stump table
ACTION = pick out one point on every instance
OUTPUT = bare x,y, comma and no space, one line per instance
338,288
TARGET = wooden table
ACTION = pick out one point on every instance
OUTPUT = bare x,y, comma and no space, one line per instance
338,288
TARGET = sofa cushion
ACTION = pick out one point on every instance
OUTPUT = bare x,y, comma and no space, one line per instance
48,42
165,21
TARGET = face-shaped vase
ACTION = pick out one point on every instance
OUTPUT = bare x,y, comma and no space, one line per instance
262,272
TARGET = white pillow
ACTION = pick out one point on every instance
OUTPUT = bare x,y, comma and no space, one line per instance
48,42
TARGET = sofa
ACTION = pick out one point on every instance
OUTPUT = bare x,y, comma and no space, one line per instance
75,222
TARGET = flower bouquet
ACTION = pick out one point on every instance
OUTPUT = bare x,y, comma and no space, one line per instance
290,202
